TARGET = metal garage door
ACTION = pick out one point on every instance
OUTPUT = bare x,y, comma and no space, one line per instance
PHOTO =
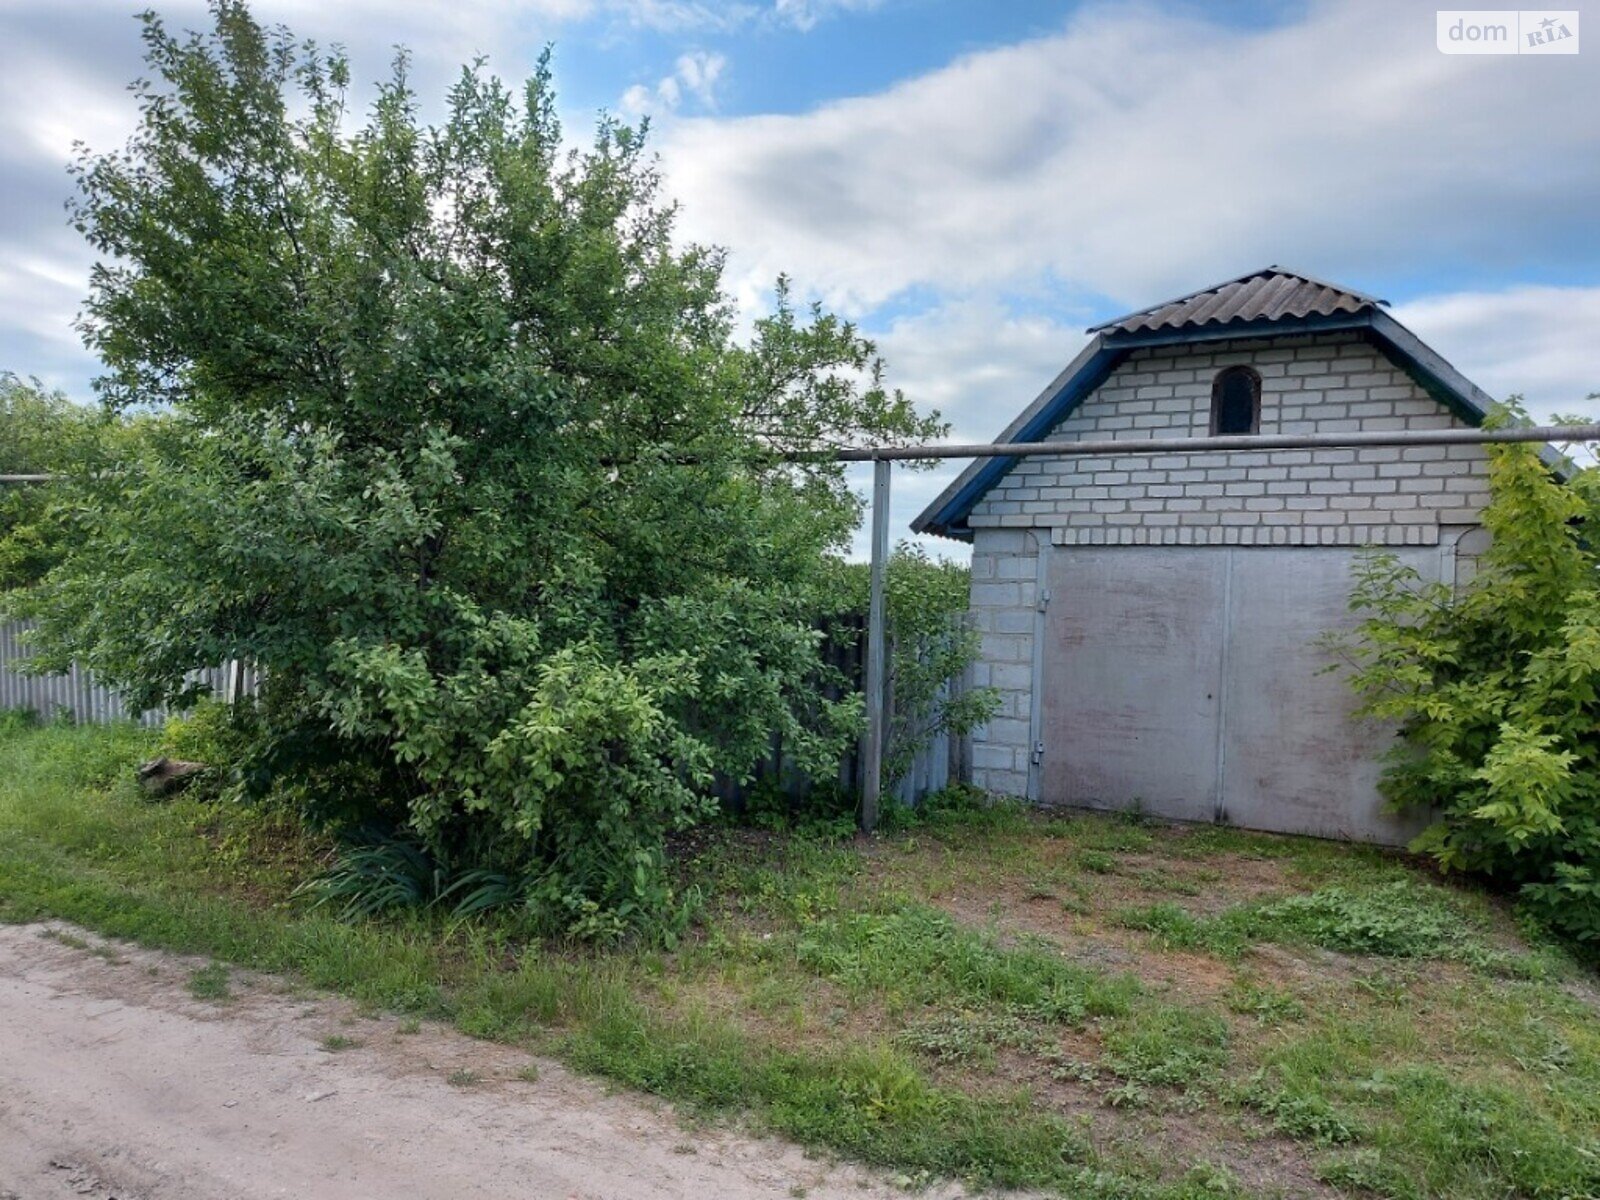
1188,682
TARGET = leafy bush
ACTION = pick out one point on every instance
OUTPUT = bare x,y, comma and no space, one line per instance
1496,686
930,642
455,442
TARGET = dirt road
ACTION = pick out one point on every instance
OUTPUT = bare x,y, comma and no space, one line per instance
117,1084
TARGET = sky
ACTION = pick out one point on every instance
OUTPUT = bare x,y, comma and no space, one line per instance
972,182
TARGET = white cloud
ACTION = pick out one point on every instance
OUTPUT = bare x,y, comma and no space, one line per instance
678,16
726,16
1138,153
1537,342
695,73
805,14
977,361
699,71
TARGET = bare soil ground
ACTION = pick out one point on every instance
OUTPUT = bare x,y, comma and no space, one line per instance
117,1083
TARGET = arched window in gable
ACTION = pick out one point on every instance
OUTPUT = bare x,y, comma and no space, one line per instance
1236,401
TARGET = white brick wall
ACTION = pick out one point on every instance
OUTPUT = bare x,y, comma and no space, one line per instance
1004,574
1335,383
1332,383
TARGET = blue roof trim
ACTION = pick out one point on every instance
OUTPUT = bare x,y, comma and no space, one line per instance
1431,372
1428,369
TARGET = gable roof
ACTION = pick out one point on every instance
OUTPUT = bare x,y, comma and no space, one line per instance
1271,302
1272,293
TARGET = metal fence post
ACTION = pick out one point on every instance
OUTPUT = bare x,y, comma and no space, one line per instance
872,756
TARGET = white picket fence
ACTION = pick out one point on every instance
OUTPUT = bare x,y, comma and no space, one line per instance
89,702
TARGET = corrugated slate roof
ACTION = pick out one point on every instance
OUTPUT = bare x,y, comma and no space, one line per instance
1270,294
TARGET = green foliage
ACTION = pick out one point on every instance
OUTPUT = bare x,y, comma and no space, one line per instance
41,433
1227,934
1305,1115
930,643
963,1037
1397,920
217,734
210,982
1168,1046
458,447
922,954
826,811
1486,1130
388,875
1496,686
1268,1005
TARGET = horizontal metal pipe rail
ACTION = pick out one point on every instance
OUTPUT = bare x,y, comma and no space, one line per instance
1182,445
1199,445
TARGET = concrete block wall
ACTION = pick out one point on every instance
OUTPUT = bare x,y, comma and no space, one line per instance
1330,383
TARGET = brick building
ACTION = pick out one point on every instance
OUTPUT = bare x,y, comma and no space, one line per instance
1152,622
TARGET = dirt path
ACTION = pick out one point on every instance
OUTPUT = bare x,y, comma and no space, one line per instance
117,1084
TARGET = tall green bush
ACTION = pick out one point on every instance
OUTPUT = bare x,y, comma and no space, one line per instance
460,448
1496,687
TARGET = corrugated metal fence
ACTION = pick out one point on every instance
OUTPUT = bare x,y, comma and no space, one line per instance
89,702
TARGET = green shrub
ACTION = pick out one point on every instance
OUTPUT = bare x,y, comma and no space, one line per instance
930,642
1496,687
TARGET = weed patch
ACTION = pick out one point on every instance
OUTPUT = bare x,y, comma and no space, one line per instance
1268,1005
921,955
210,983
1167,1046
1306,1115
968,1037
1397,920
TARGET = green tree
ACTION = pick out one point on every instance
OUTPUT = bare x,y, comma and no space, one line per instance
41,432
462,452
1496,688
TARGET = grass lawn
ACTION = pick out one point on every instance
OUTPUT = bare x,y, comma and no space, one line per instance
1087,1005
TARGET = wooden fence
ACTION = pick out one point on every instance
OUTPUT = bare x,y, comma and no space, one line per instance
940,762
